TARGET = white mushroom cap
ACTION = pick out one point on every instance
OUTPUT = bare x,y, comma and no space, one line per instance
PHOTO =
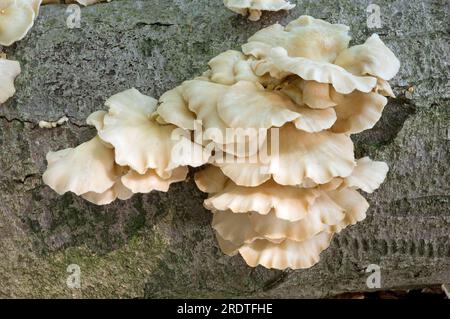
301,155
280,65
210,180
372,58
235,228
254,7
145,183
357,111
354,204
230,67
173,109
367,175
118,190
9,70
306,37
202,97
16,19
86,168
288,254
286,202
154,146
96,119
249,105
323,213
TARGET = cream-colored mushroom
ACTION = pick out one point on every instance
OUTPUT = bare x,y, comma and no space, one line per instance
173,109
210,179
155,146
230,67
371,58
280,65
287,254
286,202
16,19
357,111
254,8
305,37
249,105
117,191
86,168
367,175
145,183
9,70
301,155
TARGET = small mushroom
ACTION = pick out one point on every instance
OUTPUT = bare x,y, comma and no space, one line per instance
173,109
367,175
89,167
357,111
254,8
16,19
371,58
9,70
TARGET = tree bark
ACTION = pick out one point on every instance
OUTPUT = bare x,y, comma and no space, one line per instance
162,244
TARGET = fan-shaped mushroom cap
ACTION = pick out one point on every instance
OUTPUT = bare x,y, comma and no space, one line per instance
301,155
145,183
202,97
9,70
357,111
118,190
280,65
286,202
16,19
235,228
96,119
367,175
354,204
314,94
154,146
384,88
86,168
288,254
230,67
173,109
88,2
254,7
249,105
210,180
306,37
372,58
327,213
226,246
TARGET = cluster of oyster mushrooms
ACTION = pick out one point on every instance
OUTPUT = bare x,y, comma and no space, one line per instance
272,124
254,8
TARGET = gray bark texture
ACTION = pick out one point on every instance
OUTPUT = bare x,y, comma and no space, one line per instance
162,244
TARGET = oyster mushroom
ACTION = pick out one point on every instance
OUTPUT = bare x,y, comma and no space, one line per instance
305,37
316,156
155,146
371,58
16,19
9,70
254,8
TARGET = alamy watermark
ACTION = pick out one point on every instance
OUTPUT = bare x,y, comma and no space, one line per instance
74,279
